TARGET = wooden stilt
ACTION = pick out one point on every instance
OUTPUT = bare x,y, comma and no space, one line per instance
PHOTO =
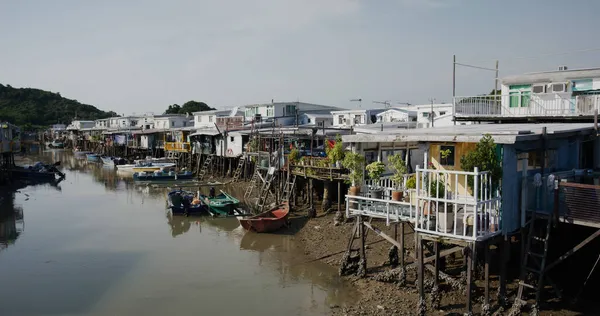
436,276
421,309
486,299
362,265
469,258
504,247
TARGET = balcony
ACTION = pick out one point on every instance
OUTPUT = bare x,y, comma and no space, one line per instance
457,204
506,107
177,146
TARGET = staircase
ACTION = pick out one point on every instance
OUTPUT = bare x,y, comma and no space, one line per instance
238,170
205,167
534,261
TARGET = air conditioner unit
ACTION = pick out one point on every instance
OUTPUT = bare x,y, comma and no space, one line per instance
538,88
559,87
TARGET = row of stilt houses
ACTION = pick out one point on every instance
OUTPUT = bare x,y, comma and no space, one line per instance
508,186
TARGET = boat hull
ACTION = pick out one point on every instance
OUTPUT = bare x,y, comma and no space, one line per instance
162,176
267,222
222,204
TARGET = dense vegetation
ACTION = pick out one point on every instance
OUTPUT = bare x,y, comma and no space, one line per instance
34,108
188,108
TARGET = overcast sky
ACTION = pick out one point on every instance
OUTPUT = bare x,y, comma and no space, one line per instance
140,56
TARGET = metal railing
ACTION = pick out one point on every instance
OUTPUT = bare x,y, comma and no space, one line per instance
391,211
579,202
457,204
536,105
177,146
386,184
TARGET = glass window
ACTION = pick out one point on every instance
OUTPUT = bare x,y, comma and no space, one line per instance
447,155
425,114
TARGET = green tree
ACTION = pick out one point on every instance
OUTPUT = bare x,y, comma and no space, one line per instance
188,108
484,157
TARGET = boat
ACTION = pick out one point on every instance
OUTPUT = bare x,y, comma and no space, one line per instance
222,204
56,144
161,175
92,157
184,203
112,161
38,171
268,221
145,166
81,153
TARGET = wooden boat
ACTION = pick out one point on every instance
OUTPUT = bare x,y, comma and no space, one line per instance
39,171
268,221
160,175
222,204
183,203
145,166
92,157
112,161
56,144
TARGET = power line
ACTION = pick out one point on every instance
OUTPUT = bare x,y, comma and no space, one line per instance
544,55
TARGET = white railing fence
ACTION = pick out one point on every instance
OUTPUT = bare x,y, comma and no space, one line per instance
391,211
457,204
386,184
543,104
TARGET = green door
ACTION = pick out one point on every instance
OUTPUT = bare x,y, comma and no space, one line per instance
525,97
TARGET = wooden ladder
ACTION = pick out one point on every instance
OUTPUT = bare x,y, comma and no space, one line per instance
265,189
288,188
205,167
238,170
534,261
255,178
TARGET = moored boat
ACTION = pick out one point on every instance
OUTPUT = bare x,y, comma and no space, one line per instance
184,202
92,157
145,166
112,161
222,204
160,175
268,221
56,144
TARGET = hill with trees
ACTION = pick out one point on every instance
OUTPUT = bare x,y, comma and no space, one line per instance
188,108
35,108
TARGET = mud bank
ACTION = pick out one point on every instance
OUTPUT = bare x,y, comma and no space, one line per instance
321,239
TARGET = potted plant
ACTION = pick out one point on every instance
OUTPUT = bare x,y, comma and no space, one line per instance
445,212
398,165
354,163
375,170
336,153
294,156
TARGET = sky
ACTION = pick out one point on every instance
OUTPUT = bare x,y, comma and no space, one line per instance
140,56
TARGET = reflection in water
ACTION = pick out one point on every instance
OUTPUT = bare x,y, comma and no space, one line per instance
103,238
11,221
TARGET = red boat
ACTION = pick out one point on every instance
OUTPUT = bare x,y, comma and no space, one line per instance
268,221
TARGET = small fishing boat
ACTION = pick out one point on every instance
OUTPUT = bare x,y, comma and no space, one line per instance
222,204
145,166
184,202
92,157
56,144
81,153
160,175
38,171
268,221
112,161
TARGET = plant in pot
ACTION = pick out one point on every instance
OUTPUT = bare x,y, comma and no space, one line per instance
375,170
294,156
336,153
398,165
354,163
445,212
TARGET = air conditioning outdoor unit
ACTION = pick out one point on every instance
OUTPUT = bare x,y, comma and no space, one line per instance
538,88
559,87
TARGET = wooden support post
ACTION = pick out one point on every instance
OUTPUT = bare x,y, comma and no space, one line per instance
504,247
436,275
401,249
339,199
469,258
486,300
421,309
362,269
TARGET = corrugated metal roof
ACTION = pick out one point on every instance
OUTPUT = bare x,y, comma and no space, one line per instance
553,76
502,133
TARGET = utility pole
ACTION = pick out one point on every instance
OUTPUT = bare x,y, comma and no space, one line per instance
454,90
431,114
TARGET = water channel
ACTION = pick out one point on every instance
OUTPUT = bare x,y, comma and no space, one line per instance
99,244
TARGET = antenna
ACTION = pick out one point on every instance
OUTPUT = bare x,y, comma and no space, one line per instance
386,103
357,100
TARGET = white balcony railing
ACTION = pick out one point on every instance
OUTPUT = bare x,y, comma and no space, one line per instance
391,211
457,204
534,105
386,184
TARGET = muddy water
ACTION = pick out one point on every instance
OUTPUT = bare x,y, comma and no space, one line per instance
98,244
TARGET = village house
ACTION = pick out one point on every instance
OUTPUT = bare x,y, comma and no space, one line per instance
356,117
10,138
544,96
315,119
282,113
393,115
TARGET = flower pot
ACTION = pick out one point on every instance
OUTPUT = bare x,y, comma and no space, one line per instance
397,195
445,222
355,190
376,193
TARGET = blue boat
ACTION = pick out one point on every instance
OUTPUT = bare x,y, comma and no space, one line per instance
93,157
162,176
182,203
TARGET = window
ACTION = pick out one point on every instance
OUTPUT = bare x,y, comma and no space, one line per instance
357,119
290,110
447,155
425,114
231,139
442,113
184,124
270,111
172,124
340,119
320,123
309,120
